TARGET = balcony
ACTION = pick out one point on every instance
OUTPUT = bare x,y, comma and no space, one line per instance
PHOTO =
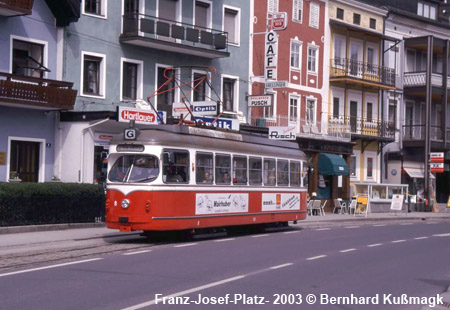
15,7
166,35
305,128
419,79
36,92
358,72
360,127
417,133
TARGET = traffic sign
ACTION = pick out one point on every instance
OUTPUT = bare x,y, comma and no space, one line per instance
437,167
437,157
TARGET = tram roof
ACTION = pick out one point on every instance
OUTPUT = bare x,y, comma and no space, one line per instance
213,139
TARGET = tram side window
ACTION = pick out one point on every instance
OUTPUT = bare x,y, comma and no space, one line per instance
282,172
270,178
295,173
304,174
255,171
175,166
223,169
204,168
239,170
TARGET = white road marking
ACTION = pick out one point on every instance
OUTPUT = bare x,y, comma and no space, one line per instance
348,250
379,225
223,240
320,229
281,266
186,292
137,252
442,235
398,241
183,245
316,257
432,223
420,238
404,224
48,267
374,245
290,232
352,226
257,236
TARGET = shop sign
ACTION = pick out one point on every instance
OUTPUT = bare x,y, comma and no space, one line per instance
204,108
437,157
145,117
226,123
277,84
279,21
271,49
437,167
102,139
397,202
260,101
282,133
179,108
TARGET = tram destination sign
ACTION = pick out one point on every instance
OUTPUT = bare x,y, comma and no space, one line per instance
277,84
260,101
282,132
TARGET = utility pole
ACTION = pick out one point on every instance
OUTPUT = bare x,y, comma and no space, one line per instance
428,101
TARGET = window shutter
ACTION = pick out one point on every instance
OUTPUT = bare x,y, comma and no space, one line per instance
314,15
272,6
297,9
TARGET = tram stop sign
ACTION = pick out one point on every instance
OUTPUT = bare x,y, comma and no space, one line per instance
279,21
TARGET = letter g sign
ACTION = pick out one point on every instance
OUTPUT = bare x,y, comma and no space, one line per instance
130,134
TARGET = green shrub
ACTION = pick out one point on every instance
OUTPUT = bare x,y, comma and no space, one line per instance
50,203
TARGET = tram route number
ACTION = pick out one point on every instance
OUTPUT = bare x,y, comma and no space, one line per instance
130,134
236,299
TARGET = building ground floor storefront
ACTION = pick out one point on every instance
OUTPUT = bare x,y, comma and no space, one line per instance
27,144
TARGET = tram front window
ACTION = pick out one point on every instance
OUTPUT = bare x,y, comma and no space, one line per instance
134,169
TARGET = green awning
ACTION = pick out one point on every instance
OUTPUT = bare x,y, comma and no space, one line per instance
332,164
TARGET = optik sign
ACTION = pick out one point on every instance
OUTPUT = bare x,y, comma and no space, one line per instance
271,50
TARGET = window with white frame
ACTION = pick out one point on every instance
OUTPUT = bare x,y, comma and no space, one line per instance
166,89
95,7
352,171
369,112
311,110
229,93
296,55
312,58
201,91
232,24
272,6
297,9
355,165
370,164
269,111
426,10
28,58
93,74
203,14
314,14
336,105
131,79
293,108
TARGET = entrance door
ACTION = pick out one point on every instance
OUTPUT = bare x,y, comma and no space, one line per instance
24,161
353,115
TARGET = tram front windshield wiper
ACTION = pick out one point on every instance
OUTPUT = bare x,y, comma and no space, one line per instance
143,180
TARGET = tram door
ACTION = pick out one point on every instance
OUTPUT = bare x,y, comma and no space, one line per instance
100,164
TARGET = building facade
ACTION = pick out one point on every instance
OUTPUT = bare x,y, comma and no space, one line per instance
124,62
31,91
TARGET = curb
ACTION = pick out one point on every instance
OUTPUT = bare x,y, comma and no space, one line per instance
49,227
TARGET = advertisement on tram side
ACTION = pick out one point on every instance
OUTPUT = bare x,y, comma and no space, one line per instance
220,203
279,202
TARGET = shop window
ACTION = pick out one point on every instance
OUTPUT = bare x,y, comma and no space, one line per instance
24,161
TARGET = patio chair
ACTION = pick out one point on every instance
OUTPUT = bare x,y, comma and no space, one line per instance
309,207
337,206
322,207
352,206
316,206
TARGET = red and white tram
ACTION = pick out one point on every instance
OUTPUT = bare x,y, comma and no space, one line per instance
180,177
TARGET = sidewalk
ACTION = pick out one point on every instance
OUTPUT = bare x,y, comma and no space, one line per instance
22,235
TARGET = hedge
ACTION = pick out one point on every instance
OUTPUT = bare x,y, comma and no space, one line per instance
50,203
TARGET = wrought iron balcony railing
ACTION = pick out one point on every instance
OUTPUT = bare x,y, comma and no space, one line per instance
364,126
37,92
416,132
159,33
350,68
15,7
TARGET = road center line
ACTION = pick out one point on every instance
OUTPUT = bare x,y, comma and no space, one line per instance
420,238
442,235
290,232
321,229
257,236
348,250
281,266
223,240
432,223
186,292
379,225
316,257
137,252
404,224
374,245
352,226
398,241
48,267
183,245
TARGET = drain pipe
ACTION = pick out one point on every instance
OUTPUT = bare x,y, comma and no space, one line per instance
83,132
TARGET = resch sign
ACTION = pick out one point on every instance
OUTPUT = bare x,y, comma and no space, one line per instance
260,101
282,133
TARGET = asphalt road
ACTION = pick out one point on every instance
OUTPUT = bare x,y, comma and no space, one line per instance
280,269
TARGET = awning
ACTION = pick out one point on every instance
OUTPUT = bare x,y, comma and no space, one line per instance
332,164
415,169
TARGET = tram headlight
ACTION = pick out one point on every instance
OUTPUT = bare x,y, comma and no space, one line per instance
125,204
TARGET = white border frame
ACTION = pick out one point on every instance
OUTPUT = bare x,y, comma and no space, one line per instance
236,91
207,88
311,4
42,143
357,177
299,103
300,54
141,11
178,13
209,13
177,90
317,48
311,98
104,7
238,25
139,78
300,20
31,40
102,81
373,155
